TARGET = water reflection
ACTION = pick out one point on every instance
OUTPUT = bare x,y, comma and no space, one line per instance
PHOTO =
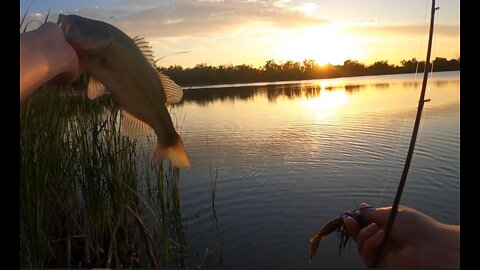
295,155
272,92
304,89
382,85
353,88
325,104
438,83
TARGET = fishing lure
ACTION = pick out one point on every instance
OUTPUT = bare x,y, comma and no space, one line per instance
335,224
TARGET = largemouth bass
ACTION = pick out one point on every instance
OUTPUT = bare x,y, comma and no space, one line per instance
125,67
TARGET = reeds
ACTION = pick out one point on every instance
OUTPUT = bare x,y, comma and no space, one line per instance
213,179
90,197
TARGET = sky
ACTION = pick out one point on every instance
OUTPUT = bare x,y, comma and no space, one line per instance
235,32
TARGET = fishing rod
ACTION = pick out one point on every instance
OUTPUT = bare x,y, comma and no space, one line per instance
408,160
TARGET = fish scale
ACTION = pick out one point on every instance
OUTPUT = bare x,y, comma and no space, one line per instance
126,68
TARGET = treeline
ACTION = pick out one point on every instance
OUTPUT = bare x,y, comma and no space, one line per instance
203,74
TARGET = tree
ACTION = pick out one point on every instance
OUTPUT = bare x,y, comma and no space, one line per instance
353,68
442,64
203,73
409,66
381,67
309,68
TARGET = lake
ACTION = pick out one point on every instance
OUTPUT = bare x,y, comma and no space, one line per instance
288,157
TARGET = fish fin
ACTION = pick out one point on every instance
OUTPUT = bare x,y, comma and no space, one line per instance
175,153
145,48
133,127
95,88
160,153
173,92
315,239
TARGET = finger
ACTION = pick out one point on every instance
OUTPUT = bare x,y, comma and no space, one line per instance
366,233
63,79
352,227
364,205
375,215
69,68
370,247
73,69
69,65
49,27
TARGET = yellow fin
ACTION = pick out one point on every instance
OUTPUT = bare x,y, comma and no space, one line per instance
160,153
315,239
133,127
145,48
175,153
173,92
95,88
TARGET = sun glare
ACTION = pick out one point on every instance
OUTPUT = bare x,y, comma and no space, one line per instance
324,44
327,103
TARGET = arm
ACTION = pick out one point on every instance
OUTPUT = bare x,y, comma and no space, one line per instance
416,240
45,56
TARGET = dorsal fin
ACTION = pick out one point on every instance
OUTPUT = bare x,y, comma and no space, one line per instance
133,127
95,88
173,92
145,48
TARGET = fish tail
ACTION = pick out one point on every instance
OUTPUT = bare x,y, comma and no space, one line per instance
175,153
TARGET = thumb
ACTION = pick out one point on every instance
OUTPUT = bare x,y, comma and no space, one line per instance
374,215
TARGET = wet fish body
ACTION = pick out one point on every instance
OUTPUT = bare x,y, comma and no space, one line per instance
125,66
327,229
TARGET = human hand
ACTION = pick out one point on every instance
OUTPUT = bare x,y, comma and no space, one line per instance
46,57
416,240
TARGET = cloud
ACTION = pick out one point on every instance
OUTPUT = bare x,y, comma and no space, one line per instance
382,28
172,18
196,18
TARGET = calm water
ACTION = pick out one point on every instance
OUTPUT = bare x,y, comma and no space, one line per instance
292,156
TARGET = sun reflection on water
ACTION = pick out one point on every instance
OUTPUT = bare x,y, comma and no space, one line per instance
327,103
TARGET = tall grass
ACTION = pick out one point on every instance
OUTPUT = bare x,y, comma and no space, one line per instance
89,196
213,179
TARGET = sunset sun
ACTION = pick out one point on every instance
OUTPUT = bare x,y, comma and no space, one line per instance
324,44
238,133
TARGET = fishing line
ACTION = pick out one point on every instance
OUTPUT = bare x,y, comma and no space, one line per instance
25,15
401,184
407,112
430,78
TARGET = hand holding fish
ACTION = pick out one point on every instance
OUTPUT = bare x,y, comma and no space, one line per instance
416,240
45,57
126,67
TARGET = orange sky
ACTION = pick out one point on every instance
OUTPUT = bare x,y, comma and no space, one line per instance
218,32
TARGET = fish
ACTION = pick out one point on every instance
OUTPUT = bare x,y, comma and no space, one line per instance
328,228
125,66
337,224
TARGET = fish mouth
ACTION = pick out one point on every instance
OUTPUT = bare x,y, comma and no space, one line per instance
65,24
61,21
